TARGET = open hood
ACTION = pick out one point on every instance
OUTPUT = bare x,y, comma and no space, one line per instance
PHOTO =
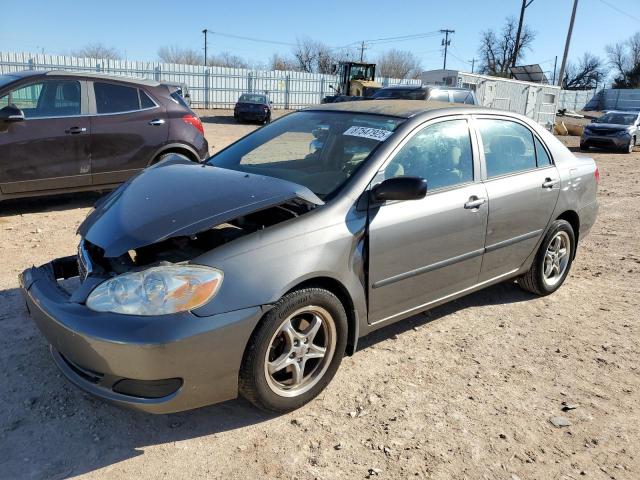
181,198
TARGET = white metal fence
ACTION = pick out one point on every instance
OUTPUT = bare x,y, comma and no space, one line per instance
210,87
575,99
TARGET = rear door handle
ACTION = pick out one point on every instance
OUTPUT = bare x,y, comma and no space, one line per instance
157,121
549,183
75,130
474,202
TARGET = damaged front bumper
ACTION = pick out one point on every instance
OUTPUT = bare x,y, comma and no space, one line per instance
160,364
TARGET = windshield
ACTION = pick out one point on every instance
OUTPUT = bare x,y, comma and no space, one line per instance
618,118
401,93
320,150
251,98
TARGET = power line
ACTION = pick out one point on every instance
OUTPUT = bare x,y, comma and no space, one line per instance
253,39
633,17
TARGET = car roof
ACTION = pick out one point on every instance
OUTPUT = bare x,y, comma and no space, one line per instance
88,75
404,87
394,108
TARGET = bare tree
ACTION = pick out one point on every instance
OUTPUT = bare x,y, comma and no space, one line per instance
185,56
279,62
399,64
226,59
498,50
625,59
586,74
97,50
317,57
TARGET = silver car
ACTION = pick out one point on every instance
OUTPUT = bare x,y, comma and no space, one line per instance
613,130
256,272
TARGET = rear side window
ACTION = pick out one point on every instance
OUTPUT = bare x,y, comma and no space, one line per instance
460,96
508,147
541,154
112,98
145,101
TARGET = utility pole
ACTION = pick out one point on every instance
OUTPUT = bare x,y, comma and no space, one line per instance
567,43
361,51
205,31
445,43
473,64
516,47
555,66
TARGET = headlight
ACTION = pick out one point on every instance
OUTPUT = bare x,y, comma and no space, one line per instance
157,290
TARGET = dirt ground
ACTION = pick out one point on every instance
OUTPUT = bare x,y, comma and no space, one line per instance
463,392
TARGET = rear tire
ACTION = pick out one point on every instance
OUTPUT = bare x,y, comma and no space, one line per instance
267,119
584,147
295,351
553,260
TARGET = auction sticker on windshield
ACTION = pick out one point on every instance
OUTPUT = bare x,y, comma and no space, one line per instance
368,132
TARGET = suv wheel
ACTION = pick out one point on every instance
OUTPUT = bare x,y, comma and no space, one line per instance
295,351
161,157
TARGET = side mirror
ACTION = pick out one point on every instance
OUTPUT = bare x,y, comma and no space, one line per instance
400,188
11,113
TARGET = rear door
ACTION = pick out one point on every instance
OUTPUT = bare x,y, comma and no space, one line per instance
50,148
523,186
127,129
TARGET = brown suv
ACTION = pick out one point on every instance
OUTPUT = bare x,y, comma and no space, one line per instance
63,131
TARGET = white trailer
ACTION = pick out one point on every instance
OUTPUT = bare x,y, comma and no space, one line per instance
535,100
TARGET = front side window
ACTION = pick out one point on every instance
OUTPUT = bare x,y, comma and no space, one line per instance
112,98
441,153
320,150
51,98
508,147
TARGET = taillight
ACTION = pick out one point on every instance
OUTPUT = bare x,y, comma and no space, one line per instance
194,121
596,174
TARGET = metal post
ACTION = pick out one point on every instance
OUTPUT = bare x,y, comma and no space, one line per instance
287,82
206,87
567,43
205,31
321,88
157,73
555,65
249,82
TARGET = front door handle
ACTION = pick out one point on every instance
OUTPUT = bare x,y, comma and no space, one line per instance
549,182
474,202
75,130
157,121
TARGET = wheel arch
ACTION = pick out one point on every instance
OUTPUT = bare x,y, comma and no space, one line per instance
179,148
339,290
573,218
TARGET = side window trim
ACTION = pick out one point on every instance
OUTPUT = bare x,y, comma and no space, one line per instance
475,152
485,177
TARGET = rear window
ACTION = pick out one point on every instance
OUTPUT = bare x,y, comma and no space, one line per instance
178,99
439,96
112,98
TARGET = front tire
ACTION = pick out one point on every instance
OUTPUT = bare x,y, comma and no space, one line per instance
553,260
163,156
632,144
295,351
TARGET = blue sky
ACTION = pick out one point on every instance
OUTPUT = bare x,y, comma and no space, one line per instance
139,28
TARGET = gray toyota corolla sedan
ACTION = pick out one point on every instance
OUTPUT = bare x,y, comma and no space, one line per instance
256,272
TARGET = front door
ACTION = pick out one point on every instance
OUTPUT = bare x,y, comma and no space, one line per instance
523,187
128,129
424,250
50,148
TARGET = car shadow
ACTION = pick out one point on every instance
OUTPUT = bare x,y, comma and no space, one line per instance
66,201
50,429
219,119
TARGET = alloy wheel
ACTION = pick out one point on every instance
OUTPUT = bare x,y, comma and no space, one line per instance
556,259
300,351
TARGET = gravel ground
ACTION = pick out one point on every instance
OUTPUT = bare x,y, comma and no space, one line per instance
465,391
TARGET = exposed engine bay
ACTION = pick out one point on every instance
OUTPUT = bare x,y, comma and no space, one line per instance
184,248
